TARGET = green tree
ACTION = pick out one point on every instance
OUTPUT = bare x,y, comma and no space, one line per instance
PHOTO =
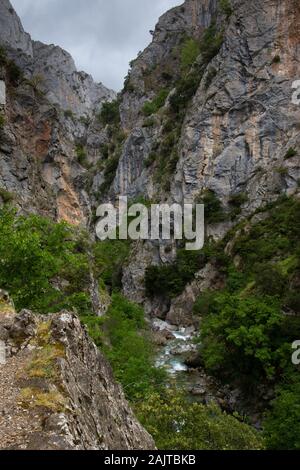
177,424
282,425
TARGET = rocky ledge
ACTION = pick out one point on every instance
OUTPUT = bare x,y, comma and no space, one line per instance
57,391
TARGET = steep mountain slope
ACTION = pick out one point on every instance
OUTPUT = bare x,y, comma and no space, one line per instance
207,114
50,114
207,108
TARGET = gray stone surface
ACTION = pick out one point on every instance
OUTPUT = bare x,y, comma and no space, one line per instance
92,413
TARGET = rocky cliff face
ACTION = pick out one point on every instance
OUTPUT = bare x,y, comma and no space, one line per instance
237,134
240,121
51,134
57,389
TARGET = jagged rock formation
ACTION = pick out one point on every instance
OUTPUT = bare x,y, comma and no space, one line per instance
57,391
51,133
239,126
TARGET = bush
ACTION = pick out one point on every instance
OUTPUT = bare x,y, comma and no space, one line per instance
241,336
270,281
290,153
226,7
177,424
189,53
282,425
131,353
3,56
273,238
33,252
110,113
185,90
169,281
109,259
6,196
213,210
211,42
15,74
2,121
151,107
81,155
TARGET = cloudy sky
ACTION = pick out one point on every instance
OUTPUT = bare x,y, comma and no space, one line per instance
102,35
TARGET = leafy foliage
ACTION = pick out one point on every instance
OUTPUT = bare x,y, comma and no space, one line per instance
189,53
242,335
109,259
282,425
226,7
211,42
130,351
170,280
151,107
110,113
81,155
33,252
2,121
213,210
177,424
6,196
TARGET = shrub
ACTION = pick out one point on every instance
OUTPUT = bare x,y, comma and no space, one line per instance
33,252
276,59
109,259
270,281
226,7
240,335
203,303
150,160
213,210
274,237
290,153
185,90
189,53
151,107
282,425
177,424
110,113
236,201
69,114
81,155
3,56
211,42
169,281
131,353
2,121
6,196
15,74
282,171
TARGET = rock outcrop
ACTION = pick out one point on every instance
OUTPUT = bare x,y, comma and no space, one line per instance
51,135
238,133
57,391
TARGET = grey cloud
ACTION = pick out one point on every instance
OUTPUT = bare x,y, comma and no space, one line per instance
102,35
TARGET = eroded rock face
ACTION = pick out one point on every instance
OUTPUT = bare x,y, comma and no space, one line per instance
241,122
50,111
62,393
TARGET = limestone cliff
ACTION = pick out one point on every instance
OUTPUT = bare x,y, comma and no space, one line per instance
228,125
57,391
50,134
